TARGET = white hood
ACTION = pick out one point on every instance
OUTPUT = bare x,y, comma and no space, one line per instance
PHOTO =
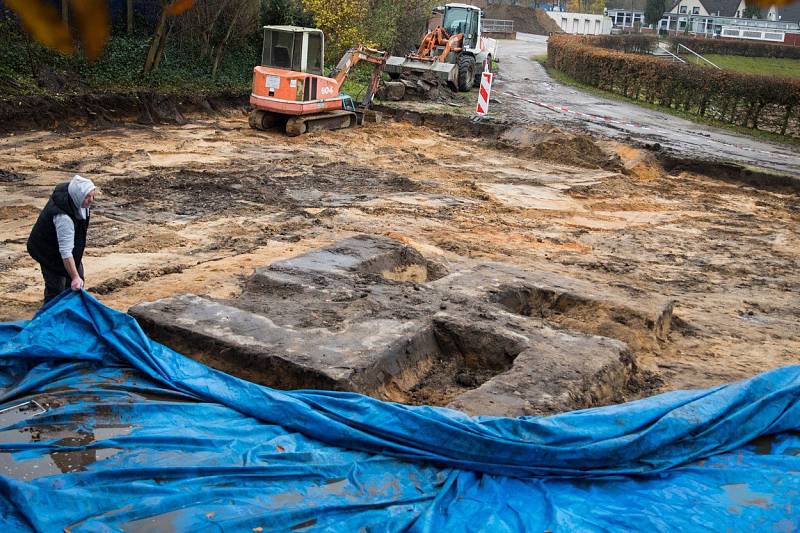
79,188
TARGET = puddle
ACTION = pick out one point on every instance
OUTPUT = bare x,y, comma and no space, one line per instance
42,449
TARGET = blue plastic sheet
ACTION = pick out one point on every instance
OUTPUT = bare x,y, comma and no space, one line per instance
135,436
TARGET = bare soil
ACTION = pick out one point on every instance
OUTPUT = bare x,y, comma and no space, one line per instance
195,208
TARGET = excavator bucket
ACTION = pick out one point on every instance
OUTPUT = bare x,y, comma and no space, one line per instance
445,72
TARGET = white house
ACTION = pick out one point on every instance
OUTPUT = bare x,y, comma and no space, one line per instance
726,18
582,23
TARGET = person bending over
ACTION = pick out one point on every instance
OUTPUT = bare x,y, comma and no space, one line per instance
58,238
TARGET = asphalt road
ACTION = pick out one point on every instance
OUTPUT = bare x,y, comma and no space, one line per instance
526,91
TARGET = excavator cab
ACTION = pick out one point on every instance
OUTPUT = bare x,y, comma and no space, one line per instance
462,19
293,48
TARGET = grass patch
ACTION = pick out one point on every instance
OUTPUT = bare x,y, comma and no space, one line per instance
765,66
566,80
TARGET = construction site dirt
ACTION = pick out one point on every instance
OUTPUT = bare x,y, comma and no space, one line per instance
196,209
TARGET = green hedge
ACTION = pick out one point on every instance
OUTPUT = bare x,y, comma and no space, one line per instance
736,47
632,43
761,102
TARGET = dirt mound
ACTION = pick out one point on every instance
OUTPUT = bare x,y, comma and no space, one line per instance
553,144
526,20
106,109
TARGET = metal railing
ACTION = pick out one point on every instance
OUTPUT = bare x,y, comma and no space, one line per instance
498,26
698,55
668,53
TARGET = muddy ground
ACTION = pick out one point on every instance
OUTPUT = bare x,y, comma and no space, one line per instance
196,208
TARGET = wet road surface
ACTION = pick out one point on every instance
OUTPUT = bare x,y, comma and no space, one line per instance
528,93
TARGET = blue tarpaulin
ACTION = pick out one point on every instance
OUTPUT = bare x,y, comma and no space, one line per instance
102,429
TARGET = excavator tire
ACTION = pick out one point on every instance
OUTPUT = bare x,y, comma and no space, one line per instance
466,72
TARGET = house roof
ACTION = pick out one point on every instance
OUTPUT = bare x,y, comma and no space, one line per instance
628,5
725,8
790,13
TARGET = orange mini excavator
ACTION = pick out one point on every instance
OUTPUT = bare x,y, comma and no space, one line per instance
291,90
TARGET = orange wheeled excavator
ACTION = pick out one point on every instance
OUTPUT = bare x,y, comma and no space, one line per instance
291,90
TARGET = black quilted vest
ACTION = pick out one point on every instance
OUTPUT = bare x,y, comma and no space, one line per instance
43,241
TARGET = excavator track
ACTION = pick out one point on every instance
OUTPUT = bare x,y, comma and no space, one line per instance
332,120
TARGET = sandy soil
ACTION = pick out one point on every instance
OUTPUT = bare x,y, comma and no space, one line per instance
195,208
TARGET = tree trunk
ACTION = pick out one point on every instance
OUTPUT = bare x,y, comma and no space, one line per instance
155,44
161,46
208,35
221,45
130,16
65,11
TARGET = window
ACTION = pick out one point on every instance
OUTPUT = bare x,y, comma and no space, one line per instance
682,10
277,49
314,53
297,55
456,20
695,11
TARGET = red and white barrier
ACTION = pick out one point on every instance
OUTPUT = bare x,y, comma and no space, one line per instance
485,92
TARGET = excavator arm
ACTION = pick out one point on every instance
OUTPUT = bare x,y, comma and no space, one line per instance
351,58
434,39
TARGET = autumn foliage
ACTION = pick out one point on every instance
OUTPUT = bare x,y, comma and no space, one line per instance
760,102
386,24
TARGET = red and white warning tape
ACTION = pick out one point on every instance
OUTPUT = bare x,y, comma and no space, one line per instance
588,116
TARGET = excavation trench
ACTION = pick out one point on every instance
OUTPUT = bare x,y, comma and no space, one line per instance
370,315
439,364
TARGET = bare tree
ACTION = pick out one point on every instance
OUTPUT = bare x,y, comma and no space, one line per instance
129,14
213,25
169,8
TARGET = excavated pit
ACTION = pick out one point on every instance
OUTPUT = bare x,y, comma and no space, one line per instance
444,361
370,315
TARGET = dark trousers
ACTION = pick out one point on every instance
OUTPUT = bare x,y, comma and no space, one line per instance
55,283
